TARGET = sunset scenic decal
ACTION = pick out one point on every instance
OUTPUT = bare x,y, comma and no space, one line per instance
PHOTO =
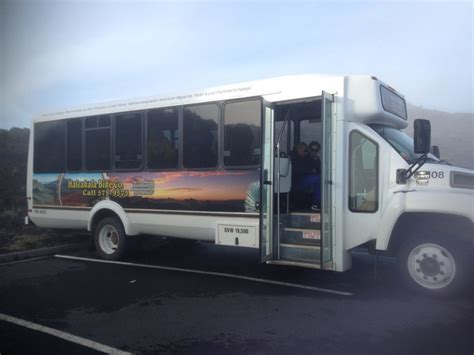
220,191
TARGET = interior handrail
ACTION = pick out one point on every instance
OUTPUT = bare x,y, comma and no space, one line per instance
280,134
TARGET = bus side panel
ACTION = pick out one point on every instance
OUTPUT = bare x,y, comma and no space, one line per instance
198,227
60,218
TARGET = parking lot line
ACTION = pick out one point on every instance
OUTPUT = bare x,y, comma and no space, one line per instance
213,273
66,336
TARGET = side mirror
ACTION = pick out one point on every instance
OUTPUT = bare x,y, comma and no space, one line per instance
435,151
422,136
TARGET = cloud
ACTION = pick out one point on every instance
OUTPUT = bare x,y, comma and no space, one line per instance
60,55
91,63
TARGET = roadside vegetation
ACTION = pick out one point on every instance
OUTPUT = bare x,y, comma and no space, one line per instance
14,234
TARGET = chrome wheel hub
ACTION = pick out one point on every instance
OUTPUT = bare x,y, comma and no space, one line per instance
108,239
431,266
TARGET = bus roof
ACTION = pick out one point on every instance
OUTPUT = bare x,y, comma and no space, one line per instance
272,90
361,96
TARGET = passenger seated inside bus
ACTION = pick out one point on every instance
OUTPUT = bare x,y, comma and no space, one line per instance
314,148
306,170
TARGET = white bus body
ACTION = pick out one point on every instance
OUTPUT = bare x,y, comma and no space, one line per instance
215,189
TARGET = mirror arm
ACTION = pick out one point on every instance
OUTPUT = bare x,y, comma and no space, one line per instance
415,167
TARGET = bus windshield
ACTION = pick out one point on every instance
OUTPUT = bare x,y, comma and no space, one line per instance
401,142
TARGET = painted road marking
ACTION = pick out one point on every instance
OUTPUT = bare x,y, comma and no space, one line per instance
66,336
221,274
24,261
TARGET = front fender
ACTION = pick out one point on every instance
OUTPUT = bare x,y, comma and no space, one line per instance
426,202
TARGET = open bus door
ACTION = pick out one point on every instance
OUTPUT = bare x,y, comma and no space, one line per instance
327,185
267,184
300,238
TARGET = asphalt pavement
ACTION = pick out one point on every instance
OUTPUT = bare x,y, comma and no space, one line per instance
145,310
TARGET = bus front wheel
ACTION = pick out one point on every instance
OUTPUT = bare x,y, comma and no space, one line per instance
109,238
433,265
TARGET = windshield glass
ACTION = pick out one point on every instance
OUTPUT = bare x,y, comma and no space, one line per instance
402,143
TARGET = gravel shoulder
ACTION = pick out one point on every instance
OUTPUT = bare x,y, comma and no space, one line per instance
17,237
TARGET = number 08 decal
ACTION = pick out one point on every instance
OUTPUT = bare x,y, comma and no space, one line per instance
437,174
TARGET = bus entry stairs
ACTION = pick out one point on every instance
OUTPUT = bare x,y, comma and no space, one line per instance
300,240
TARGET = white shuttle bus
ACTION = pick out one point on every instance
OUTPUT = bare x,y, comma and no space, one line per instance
226,165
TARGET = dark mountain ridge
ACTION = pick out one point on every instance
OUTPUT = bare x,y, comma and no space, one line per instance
452,132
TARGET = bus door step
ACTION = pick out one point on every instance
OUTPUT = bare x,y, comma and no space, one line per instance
300,253
294,263
307,220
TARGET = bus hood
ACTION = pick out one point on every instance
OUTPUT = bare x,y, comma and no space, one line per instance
441,189
444,176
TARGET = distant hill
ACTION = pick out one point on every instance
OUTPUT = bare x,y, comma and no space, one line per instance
452,132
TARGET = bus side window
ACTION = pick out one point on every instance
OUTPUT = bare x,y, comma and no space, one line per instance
128,141
97,143
200,125
163,139
363,173
50,147
74,144
242,133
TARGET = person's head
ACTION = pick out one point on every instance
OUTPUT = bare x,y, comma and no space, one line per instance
314,148
301,149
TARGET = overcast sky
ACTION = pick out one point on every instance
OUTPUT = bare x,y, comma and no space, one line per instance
56,55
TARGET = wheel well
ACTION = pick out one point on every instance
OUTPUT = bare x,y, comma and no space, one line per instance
410,225
101,214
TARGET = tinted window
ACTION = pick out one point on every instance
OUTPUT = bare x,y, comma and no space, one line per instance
200,136
242,133
97,145
49,147
393,103
163,139
363,180
74,144
104,121
128,141
91,122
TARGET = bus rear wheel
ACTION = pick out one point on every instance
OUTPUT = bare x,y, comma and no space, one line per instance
110,239
433,266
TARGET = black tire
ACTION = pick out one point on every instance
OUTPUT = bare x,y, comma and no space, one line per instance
434,265
110,239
